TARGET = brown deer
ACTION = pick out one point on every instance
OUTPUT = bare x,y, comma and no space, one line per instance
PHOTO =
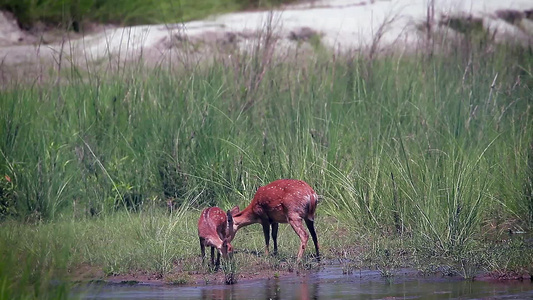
215,229
282,201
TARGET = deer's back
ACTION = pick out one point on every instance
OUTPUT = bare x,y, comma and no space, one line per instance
284,197
213,220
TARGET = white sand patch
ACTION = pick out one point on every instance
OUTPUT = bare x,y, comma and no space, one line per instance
342,24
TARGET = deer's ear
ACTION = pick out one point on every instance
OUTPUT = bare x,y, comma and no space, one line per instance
234,210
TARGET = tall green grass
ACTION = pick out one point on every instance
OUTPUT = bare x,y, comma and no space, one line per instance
43,261
411,137
29,268
434,149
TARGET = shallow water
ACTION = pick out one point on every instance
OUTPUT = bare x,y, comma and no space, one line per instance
328,283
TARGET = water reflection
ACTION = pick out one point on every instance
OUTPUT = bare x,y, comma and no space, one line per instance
272,290
328,283
277,289
308,290
217,293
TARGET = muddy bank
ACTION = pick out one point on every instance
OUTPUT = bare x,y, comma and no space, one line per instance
188,273
327,270
327,282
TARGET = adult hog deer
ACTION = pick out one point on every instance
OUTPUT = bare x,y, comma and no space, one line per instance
215,229
282,201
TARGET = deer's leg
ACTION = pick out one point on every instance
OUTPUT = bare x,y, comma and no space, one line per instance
202,249
212,256
266,232
311,226
275,237
296,224
217,264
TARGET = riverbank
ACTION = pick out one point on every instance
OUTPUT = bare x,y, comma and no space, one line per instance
326,283
162,249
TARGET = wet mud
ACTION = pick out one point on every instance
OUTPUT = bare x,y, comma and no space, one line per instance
329,281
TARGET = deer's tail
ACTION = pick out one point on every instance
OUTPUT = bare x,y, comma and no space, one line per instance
311,206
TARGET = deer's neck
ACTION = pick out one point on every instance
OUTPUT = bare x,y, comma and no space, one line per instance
244,218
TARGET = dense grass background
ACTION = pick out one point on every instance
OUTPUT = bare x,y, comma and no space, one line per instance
391,143
429,151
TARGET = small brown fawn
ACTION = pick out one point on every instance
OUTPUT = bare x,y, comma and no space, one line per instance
282,201
215,229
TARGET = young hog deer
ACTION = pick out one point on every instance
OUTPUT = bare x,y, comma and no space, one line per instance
215,229
282,201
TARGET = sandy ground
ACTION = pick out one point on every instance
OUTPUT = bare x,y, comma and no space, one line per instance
341,24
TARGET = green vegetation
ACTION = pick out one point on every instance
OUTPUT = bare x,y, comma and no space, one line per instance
422,160
74,14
